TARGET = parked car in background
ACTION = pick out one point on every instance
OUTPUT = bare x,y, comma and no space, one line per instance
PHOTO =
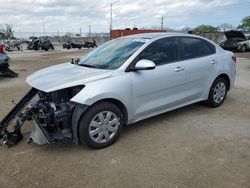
122,82
236,41
11,45
41,43
4,64
68,45
245,45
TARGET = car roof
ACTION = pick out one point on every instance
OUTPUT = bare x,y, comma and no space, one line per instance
157,35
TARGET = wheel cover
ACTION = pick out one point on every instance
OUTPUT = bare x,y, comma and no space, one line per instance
243,48
103,126
219,92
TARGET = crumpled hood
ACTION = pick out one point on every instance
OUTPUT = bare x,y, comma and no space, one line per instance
65,75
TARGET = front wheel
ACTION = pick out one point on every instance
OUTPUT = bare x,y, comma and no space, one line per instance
218,92
101,125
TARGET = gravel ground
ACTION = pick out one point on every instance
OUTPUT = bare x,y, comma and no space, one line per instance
194,146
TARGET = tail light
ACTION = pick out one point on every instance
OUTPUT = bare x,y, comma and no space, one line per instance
234,58
2,50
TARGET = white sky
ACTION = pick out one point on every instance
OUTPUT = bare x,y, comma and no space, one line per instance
71,15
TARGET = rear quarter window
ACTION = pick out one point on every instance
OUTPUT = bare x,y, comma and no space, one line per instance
195,47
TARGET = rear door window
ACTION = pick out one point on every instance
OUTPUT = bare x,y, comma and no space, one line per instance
195,47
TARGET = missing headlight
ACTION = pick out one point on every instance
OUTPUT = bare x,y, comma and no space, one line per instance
63,95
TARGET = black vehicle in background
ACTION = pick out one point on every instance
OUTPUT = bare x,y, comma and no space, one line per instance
90,44
46,45
68,45
75,45
235,41
41,43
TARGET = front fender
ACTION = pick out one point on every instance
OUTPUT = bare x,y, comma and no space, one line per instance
115,87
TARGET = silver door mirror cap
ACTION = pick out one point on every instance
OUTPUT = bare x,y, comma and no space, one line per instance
145,64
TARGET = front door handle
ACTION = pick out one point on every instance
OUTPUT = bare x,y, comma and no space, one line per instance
178,69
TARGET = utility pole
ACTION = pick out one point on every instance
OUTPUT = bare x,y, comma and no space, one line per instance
58,34
111,16
80,31
43,28
89,31
162,23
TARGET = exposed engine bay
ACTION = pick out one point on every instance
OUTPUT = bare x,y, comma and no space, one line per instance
52,115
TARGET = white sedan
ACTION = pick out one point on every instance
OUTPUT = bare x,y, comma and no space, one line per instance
127,80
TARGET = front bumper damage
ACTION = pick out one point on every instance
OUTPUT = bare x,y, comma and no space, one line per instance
55,117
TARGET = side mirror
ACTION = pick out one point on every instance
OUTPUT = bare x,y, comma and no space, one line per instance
144,64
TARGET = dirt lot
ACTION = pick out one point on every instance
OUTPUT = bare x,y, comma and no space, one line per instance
194,146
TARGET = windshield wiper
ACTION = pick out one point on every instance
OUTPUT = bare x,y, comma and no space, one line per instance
75,61
87,65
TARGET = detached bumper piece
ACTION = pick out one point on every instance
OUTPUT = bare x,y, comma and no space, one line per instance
52,115
6,72
38,135
11,138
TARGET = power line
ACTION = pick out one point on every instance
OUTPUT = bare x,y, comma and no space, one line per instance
162,23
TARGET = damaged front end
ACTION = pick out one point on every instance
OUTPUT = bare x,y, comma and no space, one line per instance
55,117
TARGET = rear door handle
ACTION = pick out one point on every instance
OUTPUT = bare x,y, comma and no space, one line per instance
178,69
213,62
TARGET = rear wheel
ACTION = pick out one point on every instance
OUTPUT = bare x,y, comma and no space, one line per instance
218,92
243,48
101,125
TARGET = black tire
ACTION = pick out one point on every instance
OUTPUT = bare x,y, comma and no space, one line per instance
243,48
84,124
51,47
211,99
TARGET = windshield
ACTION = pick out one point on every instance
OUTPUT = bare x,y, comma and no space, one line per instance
112,54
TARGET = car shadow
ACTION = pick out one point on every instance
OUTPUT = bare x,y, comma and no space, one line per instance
194,108
62,147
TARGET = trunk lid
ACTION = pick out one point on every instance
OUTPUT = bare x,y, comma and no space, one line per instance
234,34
